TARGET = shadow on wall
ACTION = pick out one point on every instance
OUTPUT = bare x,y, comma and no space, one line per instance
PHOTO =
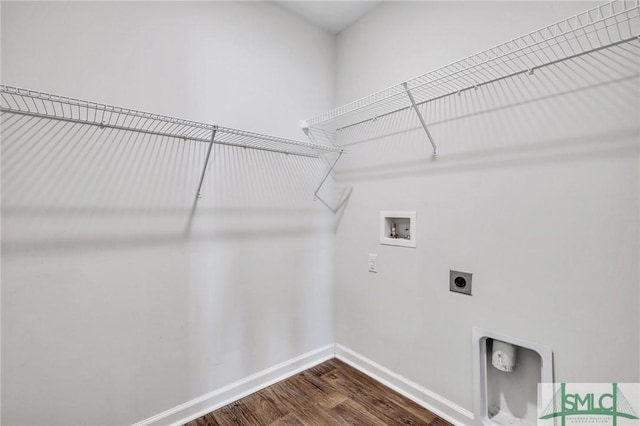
564,112
77,187
99,251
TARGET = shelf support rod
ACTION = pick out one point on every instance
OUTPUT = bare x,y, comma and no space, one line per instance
424,125
206,161
326,176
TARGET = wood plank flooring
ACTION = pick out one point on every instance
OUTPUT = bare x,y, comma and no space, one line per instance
331,393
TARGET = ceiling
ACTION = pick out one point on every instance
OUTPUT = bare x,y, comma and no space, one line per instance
332,16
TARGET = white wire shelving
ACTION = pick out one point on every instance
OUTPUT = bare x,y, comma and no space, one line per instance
611,30
44,106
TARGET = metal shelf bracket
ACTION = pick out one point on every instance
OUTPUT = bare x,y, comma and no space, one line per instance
324,179
424,125
304,125
206,161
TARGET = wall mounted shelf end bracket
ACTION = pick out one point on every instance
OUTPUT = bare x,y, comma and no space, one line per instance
304,125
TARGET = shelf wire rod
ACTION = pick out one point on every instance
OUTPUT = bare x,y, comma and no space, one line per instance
159,126
270,140
103,125
421,118
106,125
239,140
168,126
372,112
561,70
518,53
102,108
187,131
504,77
4,99
432,92
206,163
16,102
498,65
617,26
568,29
520,62
555,95
588,70
26,103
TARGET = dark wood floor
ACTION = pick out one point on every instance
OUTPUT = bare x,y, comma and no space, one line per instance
331,393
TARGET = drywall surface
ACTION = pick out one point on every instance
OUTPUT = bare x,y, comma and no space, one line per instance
243,66
534,191
115,306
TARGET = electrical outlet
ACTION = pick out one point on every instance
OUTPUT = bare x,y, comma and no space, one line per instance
460,282
373,263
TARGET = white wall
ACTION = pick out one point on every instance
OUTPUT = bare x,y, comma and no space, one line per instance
110,314
538,200
256,67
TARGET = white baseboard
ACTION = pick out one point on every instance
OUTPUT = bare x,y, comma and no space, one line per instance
211,401
419,394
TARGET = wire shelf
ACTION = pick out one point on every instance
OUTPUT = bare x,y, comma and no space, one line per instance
54,107
611,26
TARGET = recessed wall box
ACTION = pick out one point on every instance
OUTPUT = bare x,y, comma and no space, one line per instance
398,228
506,391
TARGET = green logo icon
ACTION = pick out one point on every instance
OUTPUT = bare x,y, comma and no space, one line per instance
613,405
